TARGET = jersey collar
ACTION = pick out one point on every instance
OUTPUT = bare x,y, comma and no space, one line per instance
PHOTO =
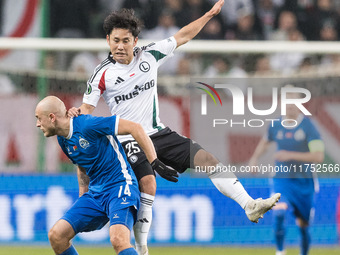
111,58
115,62
298,120
71,129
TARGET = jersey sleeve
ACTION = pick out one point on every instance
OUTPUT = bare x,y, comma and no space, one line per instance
101,126
95,87
63,148
162,50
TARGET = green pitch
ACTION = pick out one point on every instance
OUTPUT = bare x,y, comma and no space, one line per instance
7,250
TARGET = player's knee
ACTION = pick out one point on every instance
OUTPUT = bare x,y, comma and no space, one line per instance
204,158
302,223
55,237
119,242
148,185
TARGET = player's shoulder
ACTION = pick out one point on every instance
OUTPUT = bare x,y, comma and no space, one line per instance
104,65
309,122
82,121
156,45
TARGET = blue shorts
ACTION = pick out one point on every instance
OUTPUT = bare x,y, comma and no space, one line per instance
298,194
87,215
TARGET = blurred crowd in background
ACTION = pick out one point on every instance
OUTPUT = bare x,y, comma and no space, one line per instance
239,20
287,20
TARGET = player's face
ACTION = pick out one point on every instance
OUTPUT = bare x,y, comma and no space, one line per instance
44,122
121,43
292,111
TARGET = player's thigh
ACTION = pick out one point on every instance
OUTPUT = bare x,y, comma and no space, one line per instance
175,150
85,215
137,160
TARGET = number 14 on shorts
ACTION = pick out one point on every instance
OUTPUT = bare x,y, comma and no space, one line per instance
127,191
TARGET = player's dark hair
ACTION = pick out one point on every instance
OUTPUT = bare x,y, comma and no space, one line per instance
125,19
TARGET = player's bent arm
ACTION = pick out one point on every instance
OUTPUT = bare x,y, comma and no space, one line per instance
136,130
189,31
86,108
83,181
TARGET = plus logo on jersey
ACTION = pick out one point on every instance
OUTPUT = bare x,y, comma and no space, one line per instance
137,90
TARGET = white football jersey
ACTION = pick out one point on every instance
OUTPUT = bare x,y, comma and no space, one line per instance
130,90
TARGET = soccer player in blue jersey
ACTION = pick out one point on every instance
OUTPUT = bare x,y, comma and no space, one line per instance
108,187
297,149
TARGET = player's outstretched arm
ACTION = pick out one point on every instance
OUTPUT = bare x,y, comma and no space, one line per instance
128,127
191,30
83,181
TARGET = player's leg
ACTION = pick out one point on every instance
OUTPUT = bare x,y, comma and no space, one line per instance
304,215
120,230
60,236
85,215
305,236
120,240
226,182
147,186
181,153
229,185
279,213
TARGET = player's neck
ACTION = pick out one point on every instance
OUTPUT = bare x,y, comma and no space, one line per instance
124,61
64,127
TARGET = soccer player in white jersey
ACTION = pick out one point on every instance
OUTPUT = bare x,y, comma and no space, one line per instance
127,80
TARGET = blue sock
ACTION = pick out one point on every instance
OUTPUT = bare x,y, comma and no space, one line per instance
129,251
279,229
305,240
70,251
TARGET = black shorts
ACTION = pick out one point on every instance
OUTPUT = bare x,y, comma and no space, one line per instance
172,149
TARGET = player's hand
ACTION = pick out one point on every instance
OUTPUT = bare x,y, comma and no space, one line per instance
73,112
164,171
216,8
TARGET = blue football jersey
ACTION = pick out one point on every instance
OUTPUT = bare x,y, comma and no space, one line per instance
93,145
294,139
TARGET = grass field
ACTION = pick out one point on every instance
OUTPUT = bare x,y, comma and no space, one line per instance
43,250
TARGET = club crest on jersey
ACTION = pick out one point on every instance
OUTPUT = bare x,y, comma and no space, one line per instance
299,135
144,66
84,143
133,159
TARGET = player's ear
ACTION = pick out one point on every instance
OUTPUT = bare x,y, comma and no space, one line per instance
52,117
135,41
108,39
